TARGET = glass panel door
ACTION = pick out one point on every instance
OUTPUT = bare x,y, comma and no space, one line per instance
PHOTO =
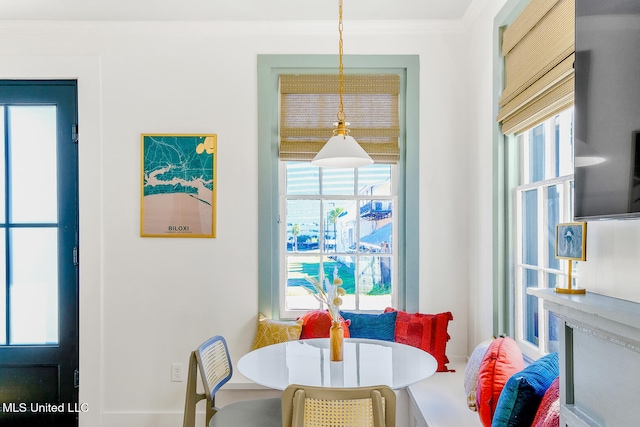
38,252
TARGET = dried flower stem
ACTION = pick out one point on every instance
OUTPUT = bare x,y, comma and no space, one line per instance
331,297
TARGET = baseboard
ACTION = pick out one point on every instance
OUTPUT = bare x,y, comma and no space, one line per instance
137,419
225,396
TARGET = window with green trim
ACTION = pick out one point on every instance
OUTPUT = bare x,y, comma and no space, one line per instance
361,223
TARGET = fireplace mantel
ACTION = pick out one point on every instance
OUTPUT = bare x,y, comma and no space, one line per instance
599,358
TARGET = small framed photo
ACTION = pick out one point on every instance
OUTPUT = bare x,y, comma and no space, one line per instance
571,241
178,185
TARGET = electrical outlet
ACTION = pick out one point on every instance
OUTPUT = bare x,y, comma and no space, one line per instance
176,372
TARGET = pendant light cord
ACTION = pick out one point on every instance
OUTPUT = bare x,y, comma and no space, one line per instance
341,115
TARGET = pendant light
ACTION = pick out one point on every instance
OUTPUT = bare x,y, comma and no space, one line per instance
342,150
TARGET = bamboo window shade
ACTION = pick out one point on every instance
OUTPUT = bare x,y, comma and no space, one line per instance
308,110
538,49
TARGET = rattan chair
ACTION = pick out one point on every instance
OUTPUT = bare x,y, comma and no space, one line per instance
338,407
212,360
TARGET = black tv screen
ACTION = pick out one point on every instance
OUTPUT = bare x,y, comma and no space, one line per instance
607,109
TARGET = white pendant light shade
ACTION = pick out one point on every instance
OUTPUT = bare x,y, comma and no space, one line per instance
341,151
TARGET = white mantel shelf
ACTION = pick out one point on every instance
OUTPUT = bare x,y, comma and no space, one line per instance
599,340
615,316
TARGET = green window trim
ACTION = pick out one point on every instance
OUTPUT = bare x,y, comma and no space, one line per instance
505,178
269,68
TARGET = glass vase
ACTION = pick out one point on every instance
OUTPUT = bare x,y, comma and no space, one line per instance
336,339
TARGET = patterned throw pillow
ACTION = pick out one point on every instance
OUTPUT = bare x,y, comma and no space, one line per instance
425,331
273,331
548,414
471,373
522,394
317,323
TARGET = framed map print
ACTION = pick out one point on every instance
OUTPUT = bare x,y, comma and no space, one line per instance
178,194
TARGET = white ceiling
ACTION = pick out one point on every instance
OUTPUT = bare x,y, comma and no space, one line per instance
211,10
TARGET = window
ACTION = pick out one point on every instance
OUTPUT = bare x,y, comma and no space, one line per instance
312,220
535,56
338,220
542,200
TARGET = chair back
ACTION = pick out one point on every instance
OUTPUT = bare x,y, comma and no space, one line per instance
212,360
214,364
325,406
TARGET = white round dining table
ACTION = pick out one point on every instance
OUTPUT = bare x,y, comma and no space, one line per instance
365,362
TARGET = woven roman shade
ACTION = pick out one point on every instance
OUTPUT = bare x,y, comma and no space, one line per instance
538,50
309,105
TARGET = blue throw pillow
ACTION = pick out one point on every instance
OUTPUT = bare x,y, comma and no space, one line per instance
374,326
521,395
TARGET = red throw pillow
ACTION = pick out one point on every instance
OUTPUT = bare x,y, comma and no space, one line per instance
425,331
502,359
316,324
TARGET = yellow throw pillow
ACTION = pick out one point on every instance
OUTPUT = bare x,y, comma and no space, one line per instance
274,331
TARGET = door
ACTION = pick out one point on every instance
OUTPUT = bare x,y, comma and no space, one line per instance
38,253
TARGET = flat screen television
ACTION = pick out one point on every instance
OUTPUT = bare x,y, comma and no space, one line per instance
607,109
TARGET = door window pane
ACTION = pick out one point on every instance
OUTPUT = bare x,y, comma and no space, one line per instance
34,287
33,152
2,168
3,291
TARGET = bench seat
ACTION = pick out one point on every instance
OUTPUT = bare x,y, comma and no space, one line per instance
440,401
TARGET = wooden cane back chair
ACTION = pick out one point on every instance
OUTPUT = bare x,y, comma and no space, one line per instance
306,406
213,362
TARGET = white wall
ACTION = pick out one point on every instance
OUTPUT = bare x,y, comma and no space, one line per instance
613,251
145,303
479,21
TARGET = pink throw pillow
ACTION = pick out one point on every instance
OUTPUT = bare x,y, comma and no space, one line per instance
548,414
